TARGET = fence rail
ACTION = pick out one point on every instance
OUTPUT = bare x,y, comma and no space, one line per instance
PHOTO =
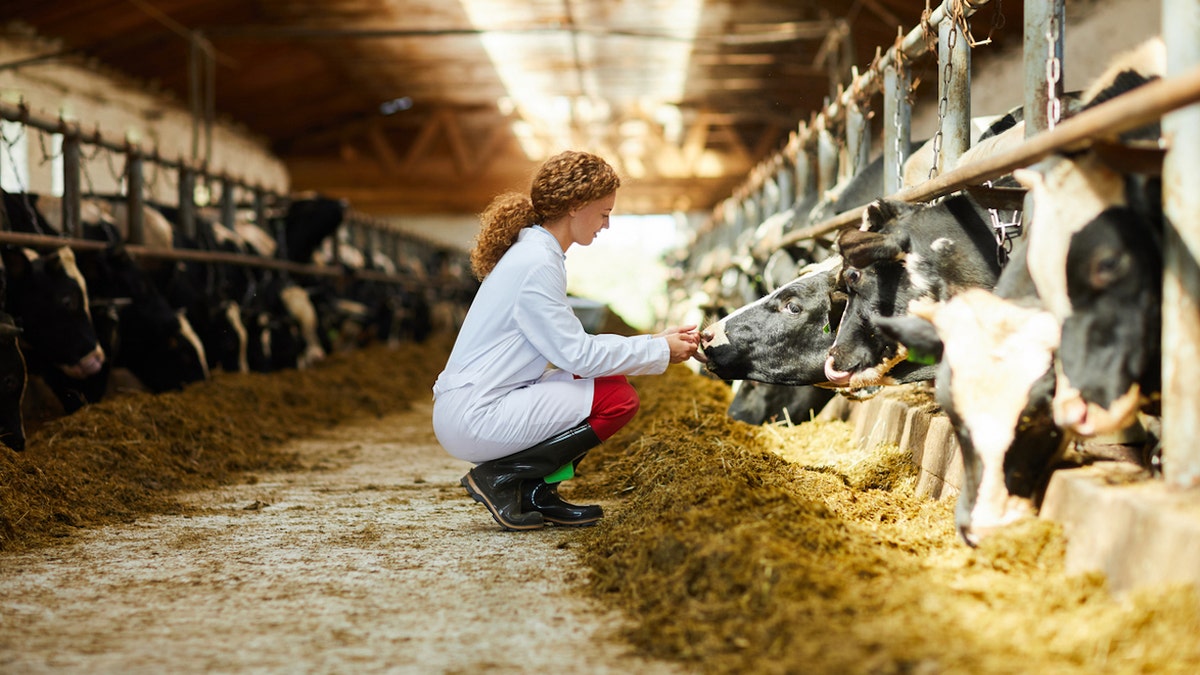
377,234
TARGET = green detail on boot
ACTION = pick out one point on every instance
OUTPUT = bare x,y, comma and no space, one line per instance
565,472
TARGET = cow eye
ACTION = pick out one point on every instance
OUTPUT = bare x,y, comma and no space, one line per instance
1107,269
853,276
793,307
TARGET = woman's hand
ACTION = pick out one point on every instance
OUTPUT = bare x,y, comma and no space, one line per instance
684,342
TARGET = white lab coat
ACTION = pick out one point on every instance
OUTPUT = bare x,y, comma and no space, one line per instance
509,383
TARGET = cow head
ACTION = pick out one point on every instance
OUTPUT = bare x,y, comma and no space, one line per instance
1098,264
995,381
783,337
13,378
903,252
48,296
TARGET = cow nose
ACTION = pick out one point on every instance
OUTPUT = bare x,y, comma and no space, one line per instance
706,337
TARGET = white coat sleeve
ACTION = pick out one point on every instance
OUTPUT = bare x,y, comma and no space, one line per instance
545,318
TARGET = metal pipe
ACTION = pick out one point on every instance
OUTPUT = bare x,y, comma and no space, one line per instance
858,137
139,251
19,113
827,161
1130,111
1181,273
187,201
133,198
228,204
1044,24
72,187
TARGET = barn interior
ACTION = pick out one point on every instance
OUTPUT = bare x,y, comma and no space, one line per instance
417,113
413,109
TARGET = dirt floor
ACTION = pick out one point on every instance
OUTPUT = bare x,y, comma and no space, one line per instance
369,559
308,522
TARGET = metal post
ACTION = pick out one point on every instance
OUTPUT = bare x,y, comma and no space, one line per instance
1043,57
897,125
1181,278
228,203
827,161
187,200
806,178
72,187
858,137
133,197
954,89
783,179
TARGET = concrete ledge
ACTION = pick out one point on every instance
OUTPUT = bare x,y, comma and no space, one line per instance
1136,533
918,427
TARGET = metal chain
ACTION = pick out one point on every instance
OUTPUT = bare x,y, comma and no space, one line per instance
944,102
8,150
117,176
1004,232
46,155
1053,75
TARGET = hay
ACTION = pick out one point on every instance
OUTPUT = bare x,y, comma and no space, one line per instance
127,455
733,559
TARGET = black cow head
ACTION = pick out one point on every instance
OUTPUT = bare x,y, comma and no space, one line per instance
47,295
903,252
783,337
1100,269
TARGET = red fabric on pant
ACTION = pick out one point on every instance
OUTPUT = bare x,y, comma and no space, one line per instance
614,403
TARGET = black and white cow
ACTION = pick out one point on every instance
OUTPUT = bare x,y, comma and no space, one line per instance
783,337
995,381
904,252
13,378
1100,270
135,326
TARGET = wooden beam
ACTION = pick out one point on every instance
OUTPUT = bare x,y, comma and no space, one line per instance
383,149
454,137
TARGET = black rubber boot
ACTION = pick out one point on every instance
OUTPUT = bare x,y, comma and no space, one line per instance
497,484
543,497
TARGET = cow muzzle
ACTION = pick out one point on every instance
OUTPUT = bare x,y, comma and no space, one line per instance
87,366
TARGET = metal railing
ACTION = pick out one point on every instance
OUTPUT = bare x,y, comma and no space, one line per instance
375,234
808,165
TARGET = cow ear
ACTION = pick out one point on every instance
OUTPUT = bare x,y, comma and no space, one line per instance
876,214
879,212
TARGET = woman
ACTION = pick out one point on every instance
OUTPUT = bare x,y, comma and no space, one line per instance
527,392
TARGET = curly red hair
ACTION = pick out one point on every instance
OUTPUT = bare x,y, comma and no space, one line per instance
563,182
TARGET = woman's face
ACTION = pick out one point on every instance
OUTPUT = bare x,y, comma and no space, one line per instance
587,220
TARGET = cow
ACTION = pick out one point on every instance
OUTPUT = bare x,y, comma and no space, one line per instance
1101,271
995,381
1098,264
47,298
134,325
783,337
1080,294
13,379
903,252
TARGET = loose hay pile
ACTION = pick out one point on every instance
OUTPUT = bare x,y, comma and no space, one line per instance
736,560
124,456
726,555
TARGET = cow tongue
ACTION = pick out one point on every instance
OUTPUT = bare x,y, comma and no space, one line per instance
835,376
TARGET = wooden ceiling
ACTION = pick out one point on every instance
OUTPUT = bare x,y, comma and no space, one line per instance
402,106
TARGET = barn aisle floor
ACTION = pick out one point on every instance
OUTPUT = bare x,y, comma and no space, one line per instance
371,560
